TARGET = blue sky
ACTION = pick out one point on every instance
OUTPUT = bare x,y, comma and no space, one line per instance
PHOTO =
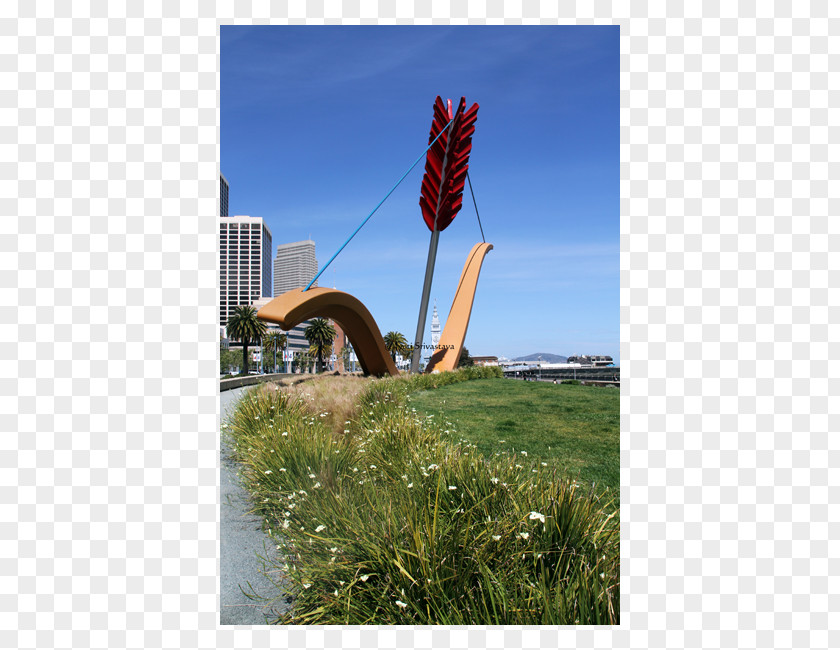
319,122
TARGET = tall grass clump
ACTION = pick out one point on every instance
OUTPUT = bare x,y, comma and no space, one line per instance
336,395
386,522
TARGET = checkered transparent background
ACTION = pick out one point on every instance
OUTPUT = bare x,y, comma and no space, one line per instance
109,129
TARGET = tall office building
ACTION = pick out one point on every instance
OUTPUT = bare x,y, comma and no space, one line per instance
294,266
244,263
224,195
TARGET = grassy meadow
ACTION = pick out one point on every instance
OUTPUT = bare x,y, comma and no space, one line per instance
381,517
573,428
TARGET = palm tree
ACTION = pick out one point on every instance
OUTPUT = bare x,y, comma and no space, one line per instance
282,341
246,327
303,359
320,333
396,344
272,342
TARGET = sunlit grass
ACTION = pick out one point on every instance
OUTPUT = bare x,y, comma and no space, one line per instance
335,395
386,521
573,428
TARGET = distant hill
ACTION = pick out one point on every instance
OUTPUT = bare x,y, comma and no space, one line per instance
548,358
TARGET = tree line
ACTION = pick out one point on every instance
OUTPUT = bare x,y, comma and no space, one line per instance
243,325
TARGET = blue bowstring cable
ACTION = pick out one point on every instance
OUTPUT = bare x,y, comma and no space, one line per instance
377,207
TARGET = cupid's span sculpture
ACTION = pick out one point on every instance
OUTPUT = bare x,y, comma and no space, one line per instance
447,158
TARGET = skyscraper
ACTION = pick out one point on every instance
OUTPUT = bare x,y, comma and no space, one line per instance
224,195
294,266
244,263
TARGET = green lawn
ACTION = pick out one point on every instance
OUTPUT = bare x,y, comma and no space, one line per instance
575,428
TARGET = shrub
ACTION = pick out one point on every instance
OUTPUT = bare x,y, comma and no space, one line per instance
387,523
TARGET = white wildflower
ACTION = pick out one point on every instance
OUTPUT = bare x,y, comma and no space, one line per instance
524,453
494,480
268,471
364,578
537,515
307,585
452,487
311,476
401,604
411,485
317,485
524,535
497,537
320,528
373,466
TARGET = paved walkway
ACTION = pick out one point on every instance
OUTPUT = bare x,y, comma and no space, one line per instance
241,540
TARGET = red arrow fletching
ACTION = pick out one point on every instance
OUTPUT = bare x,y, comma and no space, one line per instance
447,163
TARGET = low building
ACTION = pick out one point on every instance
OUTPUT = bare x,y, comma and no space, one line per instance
485,361
592,360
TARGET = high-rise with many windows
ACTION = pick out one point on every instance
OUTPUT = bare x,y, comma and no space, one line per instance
294,266
244,263
224,195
